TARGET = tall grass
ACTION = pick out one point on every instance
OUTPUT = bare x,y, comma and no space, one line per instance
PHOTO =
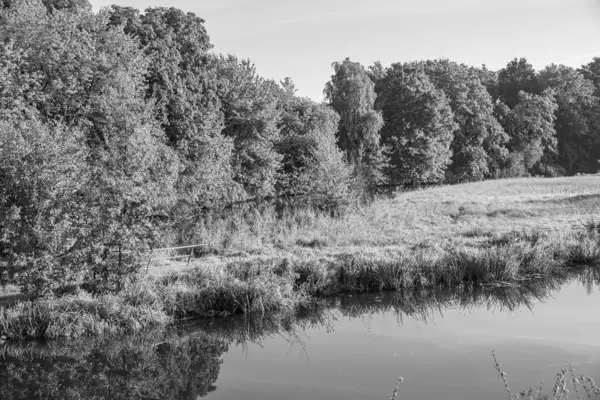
79,314
153,302
282,285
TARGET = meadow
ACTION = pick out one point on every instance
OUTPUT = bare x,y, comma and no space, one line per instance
464,216
485,234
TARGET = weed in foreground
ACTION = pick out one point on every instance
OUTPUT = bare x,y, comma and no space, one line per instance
560,389
566,384
395,392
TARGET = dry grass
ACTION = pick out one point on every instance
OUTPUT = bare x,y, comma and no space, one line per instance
449,217
494,230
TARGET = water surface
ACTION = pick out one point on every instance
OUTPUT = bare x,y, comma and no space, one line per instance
443,353
351,347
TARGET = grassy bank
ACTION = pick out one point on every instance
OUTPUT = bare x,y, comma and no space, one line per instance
496,233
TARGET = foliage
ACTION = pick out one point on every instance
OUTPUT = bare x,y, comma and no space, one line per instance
419,125
251,116
69,5
312,165
576,118
43,173
591,71
478,145
121,129
489,79
351,93
182,83
517,76
87,83
530,126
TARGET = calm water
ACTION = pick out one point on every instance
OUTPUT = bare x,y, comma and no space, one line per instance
349,348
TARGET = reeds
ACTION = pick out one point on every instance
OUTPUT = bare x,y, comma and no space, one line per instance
79,314
151,302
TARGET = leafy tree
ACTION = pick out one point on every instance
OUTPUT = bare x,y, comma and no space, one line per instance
81,74
183,83
42,171
419,125
63,68
530,126
216,111
177,77
517,76
251,116
351,93
576,117
478,145
68,5
313,165
489,79
591,71
376,72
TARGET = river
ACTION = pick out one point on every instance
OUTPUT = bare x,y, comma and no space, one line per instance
350,347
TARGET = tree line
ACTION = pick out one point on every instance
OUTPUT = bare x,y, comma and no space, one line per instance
438,121
118,123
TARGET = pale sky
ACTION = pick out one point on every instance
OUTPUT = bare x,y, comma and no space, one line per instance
301,39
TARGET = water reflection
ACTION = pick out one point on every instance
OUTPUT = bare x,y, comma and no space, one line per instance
153,366
185,362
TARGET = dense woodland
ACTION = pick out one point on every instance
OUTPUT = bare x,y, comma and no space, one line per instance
119,125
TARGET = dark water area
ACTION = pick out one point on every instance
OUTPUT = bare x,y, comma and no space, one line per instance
351,347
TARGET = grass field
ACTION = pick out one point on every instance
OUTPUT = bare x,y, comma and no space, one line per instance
494,233
471,216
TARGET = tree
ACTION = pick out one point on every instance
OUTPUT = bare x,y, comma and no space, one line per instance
489,79
249,106
419,125
478,145
178,79
182,81
575,117
530,126
591,71
86,79
313,165
351,93
517,76
42,170
68,5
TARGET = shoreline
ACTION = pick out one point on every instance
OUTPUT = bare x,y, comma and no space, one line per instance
463,235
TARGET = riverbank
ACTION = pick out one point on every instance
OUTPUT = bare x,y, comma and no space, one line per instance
493,233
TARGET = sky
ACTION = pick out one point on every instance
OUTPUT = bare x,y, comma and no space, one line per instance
302,38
